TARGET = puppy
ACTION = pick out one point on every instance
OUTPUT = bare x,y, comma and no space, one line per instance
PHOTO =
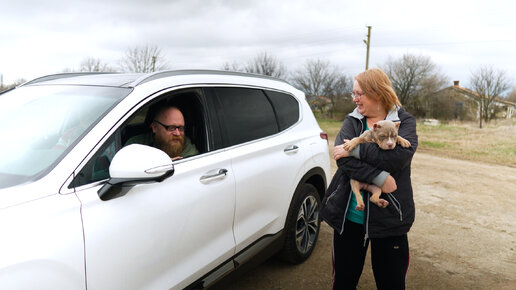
385,134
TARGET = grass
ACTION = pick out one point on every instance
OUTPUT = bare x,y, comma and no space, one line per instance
495,143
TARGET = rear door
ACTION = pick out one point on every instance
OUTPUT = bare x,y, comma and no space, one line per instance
266,162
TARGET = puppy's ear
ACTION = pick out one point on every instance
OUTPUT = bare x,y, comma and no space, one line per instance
397,124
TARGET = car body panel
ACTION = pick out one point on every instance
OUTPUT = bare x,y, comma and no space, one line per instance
266,177
166,234
42,237
159,232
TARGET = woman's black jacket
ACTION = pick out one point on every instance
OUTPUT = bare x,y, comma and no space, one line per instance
370,163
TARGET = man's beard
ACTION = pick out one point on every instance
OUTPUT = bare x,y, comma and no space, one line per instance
171,146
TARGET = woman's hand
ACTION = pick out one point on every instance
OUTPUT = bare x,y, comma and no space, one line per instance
389,185
339,151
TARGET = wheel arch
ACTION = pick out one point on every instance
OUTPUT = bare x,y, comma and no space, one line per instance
316,177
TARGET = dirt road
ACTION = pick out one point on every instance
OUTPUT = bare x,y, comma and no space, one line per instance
464,236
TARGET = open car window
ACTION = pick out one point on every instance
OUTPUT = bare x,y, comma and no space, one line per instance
190,103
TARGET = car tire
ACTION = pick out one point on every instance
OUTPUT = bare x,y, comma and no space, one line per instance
302,225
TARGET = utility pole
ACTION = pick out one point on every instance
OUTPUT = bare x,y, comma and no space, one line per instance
153,63
367,42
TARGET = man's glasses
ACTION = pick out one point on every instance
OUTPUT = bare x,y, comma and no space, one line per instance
171,128
356,95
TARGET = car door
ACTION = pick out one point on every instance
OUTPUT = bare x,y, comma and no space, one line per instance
266,164
160,235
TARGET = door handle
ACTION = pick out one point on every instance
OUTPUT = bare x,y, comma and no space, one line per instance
215,174
291,149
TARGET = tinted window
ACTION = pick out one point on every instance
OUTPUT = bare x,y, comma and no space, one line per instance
247,114
286,107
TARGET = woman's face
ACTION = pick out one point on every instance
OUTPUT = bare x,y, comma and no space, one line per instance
365,105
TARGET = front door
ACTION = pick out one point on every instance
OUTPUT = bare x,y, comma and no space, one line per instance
164,234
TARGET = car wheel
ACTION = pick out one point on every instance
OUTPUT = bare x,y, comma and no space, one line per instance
302,225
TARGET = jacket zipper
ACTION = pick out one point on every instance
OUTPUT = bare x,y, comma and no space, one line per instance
366,237
396,205
332,194
349,201
346,212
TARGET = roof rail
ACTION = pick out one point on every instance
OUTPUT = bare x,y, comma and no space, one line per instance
163,74
61,76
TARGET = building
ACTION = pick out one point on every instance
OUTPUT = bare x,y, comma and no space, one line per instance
456,102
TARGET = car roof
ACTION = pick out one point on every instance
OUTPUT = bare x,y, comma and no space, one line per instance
129,79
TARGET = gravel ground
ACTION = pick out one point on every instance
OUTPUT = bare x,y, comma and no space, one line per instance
464,236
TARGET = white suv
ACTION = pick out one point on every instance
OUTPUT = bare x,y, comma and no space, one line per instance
79,209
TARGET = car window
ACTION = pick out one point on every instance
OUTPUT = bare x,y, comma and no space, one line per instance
40,124
188,101
247,114
137,130
97,167
286,107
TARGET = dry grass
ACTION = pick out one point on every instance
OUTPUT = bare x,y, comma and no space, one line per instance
495,143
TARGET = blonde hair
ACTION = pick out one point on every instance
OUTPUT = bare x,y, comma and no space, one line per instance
376,85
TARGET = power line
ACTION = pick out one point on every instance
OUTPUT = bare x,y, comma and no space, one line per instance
445,43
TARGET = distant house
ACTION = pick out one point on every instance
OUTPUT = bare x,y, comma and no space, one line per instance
456,102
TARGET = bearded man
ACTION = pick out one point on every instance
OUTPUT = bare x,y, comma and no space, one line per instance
168,128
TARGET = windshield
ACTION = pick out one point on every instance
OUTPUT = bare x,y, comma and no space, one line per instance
39,124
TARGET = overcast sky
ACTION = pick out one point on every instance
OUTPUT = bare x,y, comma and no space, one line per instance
44,37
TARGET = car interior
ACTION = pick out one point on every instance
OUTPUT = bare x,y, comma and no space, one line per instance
188,101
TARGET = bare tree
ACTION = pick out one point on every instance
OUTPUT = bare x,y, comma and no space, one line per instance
319,79
313,79
413,79
512,95
266,64
489,84
143,60
5,87
94,65
234,66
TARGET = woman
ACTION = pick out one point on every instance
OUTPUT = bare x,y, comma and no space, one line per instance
386,228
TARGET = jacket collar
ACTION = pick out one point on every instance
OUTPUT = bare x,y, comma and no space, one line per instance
391,116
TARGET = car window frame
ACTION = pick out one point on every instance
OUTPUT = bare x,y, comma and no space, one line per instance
269,93
125,119
213,100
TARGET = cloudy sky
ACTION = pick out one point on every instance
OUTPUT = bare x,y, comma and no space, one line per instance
44,37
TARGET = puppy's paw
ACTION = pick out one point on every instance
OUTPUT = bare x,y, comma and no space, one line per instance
382,203
348,146
360,207
404,143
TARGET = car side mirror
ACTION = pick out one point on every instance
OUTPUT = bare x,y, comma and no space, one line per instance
135,164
